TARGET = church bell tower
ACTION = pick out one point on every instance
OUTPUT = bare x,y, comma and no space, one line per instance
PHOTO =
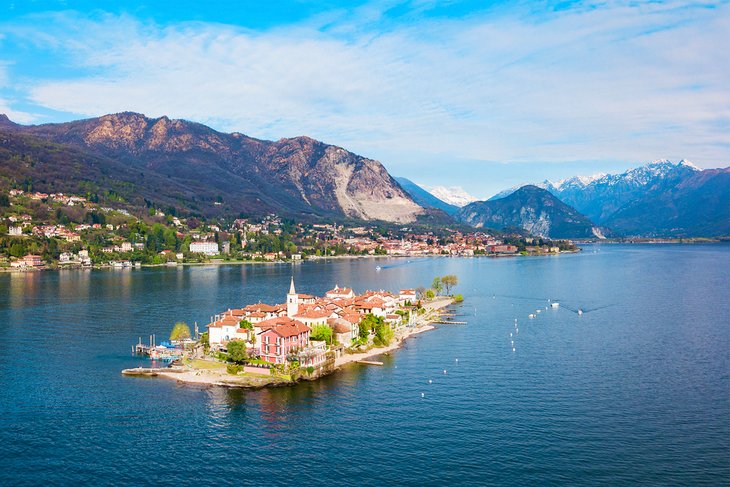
292,300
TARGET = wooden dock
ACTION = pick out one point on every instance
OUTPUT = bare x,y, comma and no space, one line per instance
442,322
369,362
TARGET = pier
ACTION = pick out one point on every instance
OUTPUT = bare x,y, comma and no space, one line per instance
370,362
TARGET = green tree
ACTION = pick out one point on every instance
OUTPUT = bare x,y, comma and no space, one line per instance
322,333
382,332
449,281
181,331
205,341
383,335
237,352
17,249
430,294
437,286
245,324
170,239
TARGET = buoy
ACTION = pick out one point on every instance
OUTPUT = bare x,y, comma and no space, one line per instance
510,335
430,381
513,349
423,395
580,312
512,343
457,359
444,371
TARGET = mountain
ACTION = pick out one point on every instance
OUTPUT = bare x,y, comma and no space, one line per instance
604,196
532,209
424,198
195,168
662,189
453,195
699,205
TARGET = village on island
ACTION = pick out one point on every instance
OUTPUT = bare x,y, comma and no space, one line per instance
304,338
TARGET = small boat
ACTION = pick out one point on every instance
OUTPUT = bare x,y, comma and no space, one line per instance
377,268
555,305
531,316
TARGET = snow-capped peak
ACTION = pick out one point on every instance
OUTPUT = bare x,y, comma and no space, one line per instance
655,169
685,162
579,181
638,176
453,195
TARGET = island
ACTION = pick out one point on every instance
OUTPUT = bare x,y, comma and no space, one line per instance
304,338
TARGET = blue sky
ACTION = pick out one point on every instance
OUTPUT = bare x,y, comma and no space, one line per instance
484,95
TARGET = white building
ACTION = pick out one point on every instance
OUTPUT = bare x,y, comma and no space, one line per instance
208,248
340,293
16,231
223,329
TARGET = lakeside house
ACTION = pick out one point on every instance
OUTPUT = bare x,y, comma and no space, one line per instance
207,248
282,339
28,261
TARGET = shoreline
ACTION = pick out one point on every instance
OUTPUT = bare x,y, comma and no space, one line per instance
278,262
217,376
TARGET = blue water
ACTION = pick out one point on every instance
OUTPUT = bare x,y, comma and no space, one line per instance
636,390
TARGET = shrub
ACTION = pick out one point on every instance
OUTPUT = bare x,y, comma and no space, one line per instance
233,369
458,298
323,333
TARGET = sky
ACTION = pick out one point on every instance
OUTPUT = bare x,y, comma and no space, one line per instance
478,94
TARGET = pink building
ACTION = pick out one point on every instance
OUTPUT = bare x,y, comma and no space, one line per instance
280,340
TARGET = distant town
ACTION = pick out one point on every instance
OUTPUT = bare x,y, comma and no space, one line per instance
56,230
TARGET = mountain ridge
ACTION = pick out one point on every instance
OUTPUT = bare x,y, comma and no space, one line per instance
291,176
425,198
668,211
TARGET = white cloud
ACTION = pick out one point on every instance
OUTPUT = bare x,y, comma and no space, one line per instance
16,115
5,105
622,81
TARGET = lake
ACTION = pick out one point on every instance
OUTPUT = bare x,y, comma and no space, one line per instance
634,390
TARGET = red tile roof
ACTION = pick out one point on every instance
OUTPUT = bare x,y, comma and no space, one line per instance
314,314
